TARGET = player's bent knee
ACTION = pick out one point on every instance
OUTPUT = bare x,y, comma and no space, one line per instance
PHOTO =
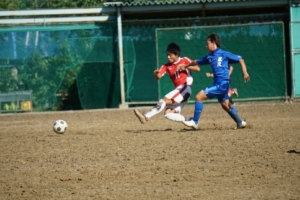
201,96
167,111
226,106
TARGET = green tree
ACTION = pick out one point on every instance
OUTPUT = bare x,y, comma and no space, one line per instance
52,4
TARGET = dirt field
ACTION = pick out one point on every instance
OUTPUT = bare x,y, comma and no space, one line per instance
108,154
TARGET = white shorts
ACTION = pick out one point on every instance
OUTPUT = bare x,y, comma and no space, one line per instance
180,95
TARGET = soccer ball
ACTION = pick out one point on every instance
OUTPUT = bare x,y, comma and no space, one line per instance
60,126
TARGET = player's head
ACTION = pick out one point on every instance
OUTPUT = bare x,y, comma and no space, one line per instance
174,49
173,52
213,41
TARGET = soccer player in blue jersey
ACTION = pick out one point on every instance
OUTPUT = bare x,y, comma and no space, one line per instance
218,60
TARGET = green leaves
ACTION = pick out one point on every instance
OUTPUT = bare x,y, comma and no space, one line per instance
52,4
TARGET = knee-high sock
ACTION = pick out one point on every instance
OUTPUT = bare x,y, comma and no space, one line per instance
176,117
198,111
156,109
235,116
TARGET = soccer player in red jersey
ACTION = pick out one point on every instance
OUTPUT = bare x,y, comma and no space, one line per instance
174,101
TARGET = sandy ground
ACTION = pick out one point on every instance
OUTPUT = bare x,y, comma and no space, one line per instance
108,154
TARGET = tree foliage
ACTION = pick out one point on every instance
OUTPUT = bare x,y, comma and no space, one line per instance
43,74
52,4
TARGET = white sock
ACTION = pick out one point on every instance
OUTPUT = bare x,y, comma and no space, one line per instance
156,109
176,117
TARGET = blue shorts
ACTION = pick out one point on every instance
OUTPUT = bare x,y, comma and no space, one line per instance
219,91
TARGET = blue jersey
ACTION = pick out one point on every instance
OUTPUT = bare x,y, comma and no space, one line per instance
219,61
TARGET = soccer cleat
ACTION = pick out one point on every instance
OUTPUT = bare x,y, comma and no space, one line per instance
140,116
235,92
242,125
191,123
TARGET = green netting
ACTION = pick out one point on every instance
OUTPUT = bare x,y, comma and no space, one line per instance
35,58
39,58
59,63
261,46
98,79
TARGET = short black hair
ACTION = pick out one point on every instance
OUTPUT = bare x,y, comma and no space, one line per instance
174,48
215,38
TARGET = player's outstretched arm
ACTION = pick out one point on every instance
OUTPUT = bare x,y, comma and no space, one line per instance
244,69
182,67
195,68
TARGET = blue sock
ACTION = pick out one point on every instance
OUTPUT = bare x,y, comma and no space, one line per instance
235,116
197,111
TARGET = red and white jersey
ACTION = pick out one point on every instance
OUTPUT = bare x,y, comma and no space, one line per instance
178,77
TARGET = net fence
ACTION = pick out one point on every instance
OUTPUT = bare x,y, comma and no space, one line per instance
76,66
261,46
37,60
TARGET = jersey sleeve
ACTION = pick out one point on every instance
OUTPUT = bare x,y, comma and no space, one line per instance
187,60
163,70
202,61
232,58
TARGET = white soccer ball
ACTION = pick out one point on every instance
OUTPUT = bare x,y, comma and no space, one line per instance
60,126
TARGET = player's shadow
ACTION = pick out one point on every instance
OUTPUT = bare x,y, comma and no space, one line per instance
206,129
293,151
189,130
148,131
180,131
